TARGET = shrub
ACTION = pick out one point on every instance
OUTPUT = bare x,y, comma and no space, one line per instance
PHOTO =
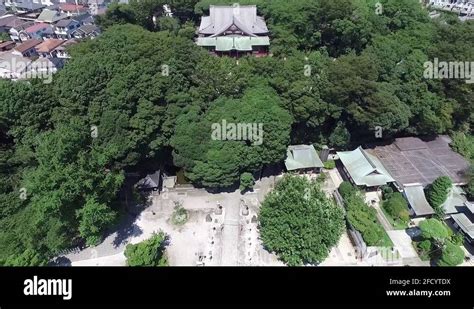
180,215
437,193
452,255
397,207
246,181
149,252
386,192
364,219
433,229
457,239
346,189
329,164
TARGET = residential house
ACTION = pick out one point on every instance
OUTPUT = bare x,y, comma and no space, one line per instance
86,31
7,45
72,9
13,66
65,28
84,19
234,31
24,6
27,48
47,48
363,169
50,16
16,26
7,22
465,8
61,50
43,67
37,31
302,158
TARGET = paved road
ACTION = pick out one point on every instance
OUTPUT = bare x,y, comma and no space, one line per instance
231,232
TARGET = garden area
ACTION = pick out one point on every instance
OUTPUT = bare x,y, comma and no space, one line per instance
395,208
362,217
439,244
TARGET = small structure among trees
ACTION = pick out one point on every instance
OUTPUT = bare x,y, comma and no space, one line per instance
234,30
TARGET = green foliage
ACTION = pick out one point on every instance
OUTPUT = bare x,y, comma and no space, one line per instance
93,219
346,189
4,37
397,207
150,252
180,215
457,239
340,137
433,229
452,255
330,164
437,193
26,258
299,223
214,159
463,144
364,219
387,192
246,181
424,249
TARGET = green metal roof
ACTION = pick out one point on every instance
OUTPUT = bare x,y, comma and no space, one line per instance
464,223
226,43
416,197
456,199
364,168
302,156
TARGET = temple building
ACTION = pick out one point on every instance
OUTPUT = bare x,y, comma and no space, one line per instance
234,31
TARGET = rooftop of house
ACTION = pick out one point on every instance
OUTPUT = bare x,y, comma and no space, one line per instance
37,27
6,44
416,161
51,16
48,45
87,29
464,223
364,168
65,23
47,63
417,199
243,18
23,47
66,44
301,157
69,7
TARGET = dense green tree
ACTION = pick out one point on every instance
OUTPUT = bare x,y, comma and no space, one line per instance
452,255
246,181
93,218
214,151
150,252
299,223
397,207
346,189
433,229
340,137
437,193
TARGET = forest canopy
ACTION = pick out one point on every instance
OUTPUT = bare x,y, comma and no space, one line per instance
338,70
